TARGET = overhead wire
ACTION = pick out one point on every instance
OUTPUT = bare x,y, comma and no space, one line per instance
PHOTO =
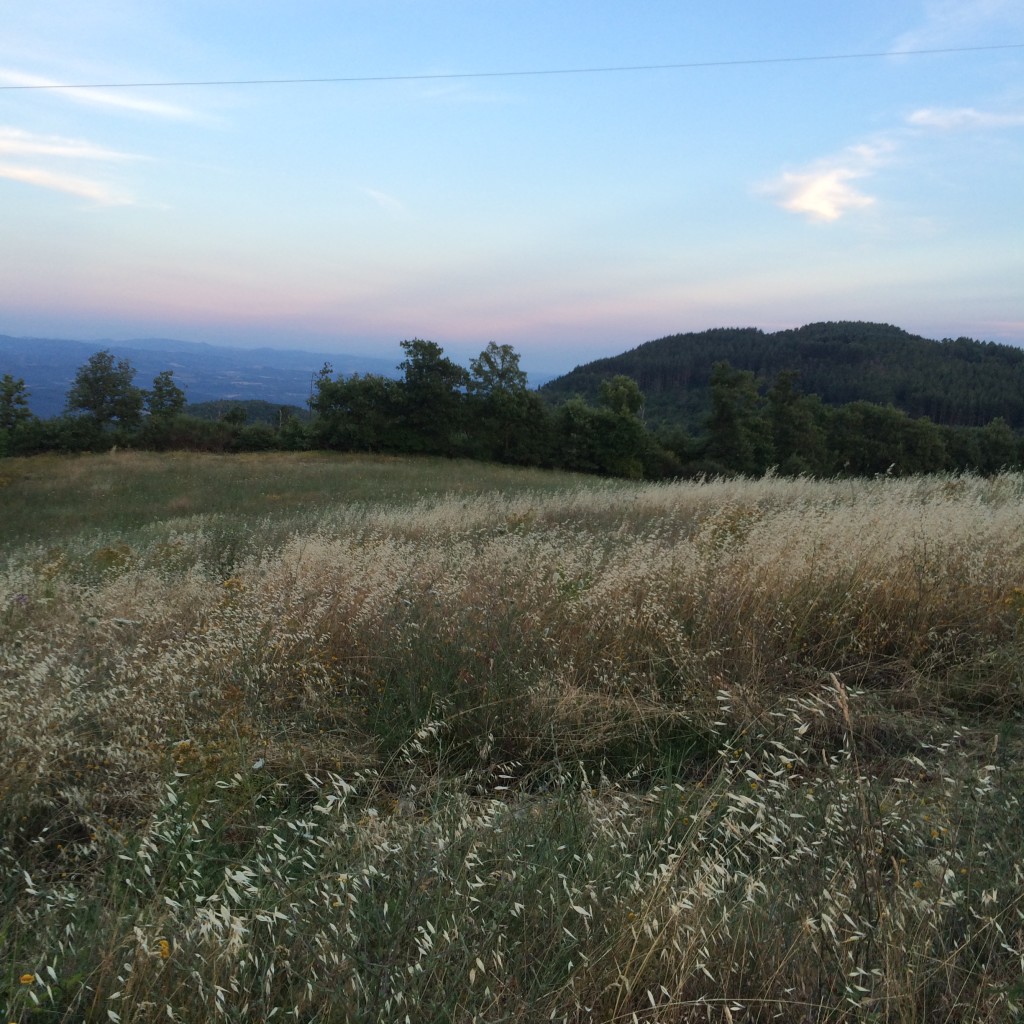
511,74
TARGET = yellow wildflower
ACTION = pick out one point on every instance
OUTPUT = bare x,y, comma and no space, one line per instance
27,979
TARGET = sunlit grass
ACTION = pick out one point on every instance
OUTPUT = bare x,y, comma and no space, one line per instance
462,743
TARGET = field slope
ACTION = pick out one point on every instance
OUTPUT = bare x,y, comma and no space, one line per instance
347,739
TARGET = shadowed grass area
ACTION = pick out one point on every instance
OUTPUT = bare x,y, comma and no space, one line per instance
45,498
462,743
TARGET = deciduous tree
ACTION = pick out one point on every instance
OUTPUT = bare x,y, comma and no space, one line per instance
622,395
505,421
432,393
359,413
797,437
736,438
166,400
104,391
14,410
496,369
15,415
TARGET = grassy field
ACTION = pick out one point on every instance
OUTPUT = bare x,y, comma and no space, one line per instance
323,738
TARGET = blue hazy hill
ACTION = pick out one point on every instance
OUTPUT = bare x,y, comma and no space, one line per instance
205,372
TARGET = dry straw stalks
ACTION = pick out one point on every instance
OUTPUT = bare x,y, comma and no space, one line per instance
722,751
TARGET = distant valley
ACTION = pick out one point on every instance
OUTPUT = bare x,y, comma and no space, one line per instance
206,372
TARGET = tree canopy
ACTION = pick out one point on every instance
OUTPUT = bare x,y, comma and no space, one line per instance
104,391
14,410
165,399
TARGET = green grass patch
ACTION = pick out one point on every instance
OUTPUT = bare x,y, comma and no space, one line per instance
45,499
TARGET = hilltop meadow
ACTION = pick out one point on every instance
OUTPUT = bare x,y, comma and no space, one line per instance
328,737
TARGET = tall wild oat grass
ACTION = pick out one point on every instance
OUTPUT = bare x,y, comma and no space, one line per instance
567,751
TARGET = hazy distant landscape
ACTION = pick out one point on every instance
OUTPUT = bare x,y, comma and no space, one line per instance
956,381
207,372
828,399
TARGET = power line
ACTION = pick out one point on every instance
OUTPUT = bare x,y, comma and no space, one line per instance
518,74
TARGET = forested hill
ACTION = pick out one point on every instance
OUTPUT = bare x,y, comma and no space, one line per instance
954,382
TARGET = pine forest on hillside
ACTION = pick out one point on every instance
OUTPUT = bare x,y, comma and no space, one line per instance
953,382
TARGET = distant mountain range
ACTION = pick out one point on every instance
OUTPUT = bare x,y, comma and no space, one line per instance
957,382
205,372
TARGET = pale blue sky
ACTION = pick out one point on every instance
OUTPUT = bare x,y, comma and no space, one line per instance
571,216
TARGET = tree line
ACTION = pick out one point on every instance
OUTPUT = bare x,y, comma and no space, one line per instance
487,412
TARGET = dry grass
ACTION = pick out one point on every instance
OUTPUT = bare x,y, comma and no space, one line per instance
563,750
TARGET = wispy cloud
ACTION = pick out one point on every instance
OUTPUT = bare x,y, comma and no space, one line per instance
959,22
833,187
388,203
953,118
96,191
128,99
462,92
17,142
825,191
41,160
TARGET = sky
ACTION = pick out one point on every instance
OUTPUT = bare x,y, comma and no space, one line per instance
453,195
